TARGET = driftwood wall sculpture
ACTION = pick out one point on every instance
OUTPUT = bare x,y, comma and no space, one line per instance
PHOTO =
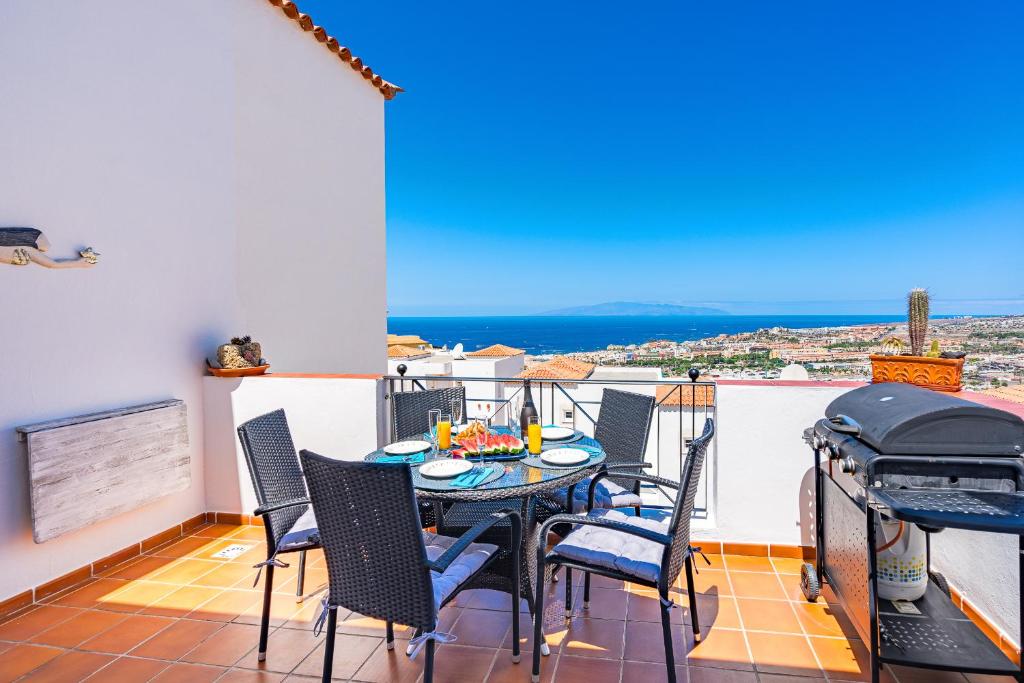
23,246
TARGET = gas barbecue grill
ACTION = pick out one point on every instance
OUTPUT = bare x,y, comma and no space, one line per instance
924,458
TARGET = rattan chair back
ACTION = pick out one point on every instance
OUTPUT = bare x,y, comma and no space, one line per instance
274,469
372,540
409,409
682,512
623,426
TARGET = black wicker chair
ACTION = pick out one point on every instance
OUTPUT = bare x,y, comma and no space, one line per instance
650,551
409,409
283,502
381,564
409,419
622,429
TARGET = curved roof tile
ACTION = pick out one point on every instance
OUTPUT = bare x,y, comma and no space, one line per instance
305,22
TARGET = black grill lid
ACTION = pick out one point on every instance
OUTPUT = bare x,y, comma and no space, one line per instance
896,418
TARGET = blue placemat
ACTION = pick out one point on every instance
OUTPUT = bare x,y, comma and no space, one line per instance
596,456
421,482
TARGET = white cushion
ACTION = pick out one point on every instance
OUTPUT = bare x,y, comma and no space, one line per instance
608,494
464,566
617,550
302,534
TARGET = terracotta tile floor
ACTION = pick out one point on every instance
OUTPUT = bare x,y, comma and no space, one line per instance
179,614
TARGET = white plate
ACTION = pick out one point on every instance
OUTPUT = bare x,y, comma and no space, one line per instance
556,433
445,469
407,447
564,456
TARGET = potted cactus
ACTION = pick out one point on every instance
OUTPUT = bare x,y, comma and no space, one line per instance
933,370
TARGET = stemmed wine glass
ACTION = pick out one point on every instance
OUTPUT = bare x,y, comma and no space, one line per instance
513,406
433,418
481,440
456,412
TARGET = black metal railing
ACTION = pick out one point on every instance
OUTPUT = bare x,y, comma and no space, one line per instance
576,403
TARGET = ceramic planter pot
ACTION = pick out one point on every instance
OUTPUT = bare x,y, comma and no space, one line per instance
938,374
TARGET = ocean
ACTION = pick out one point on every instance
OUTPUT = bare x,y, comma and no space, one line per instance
563,334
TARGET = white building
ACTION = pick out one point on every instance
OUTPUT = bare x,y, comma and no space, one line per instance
227,163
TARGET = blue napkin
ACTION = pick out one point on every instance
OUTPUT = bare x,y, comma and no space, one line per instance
471,478
402,459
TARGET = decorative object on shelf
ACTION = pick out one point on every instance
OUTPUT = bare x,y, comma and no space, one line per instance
23,246
242,357
936,370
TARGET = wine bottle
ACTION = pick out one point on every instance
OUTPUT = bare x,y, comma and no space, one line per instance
528,411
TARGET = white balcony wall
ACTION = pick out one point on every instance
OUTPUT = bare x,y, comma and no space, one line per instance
339,418
229,169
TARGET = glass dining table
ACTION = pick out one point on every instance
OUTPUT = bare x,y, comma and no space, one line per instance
524,483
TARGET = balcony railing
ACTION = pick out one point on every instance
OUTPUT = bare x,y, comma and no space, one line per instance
681,406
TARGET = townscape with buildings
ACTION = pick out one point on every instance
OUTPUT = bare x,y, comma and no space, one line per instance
994,348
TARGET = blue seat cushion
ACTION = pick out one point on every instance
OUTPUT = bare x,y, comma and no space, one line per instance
303,533
464,566
617,550
608,494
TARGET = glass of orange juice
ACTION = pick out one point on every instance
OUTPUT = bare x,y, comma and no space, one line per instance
444,431
533,434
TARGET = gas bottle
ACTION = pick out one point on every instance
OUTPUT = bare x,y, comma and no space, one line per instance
902,559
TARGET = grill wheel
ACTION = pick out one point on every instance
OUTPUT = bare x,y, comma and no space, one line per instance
809,583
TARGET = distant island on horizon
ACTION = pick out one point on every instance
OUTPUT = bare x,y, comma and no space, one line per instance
625,308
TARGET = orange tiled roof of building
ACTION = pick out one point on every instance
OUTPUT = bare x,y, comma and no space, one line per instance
702,397
291,10
496,351
1014,393
559,367
399,351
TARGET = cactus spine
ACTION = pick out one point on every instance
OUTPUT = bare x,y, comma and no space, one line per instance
917,319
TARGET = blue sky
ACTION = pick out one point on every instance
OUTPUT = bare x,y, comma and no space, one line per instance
760,157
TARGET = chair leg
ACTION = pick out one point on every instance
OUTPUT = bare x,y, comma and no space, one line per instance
554,573
390,638
666,630
692,595
332,626
408,648
302,576
568,592
538,620
586,590
428,668
268,592
516,603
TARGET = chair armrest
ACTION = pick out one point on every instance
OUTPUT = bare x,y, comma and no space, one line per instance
628,466
648,534
442,563
264,509
648,478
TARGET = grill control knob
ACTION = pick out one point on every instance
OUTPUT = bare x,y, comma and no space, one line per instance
847,465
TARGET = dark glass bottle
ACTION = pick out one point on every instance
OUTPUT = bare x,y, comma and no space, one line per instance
529,410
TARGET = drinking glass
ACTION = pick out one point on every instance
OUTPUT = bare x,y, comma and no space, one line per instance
513,406
444,431
533,434
456,411
482,439
433,418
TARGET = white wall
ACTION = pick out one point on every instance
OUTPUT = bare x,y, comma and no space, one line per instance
337,417
229,169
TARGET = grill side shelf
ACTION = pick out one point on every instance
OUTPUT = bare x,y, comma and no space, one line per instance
941,637
955,509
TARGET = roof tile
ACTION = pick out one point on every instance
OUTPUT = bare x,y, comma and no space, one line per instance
305,22
559,367
701,395
496,351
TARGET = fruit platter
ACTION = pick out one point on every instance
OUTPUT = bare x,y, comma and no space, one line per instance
487,444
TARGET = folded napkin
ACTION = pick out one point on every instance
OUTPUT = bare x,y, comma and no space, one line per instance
402,459
472,478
